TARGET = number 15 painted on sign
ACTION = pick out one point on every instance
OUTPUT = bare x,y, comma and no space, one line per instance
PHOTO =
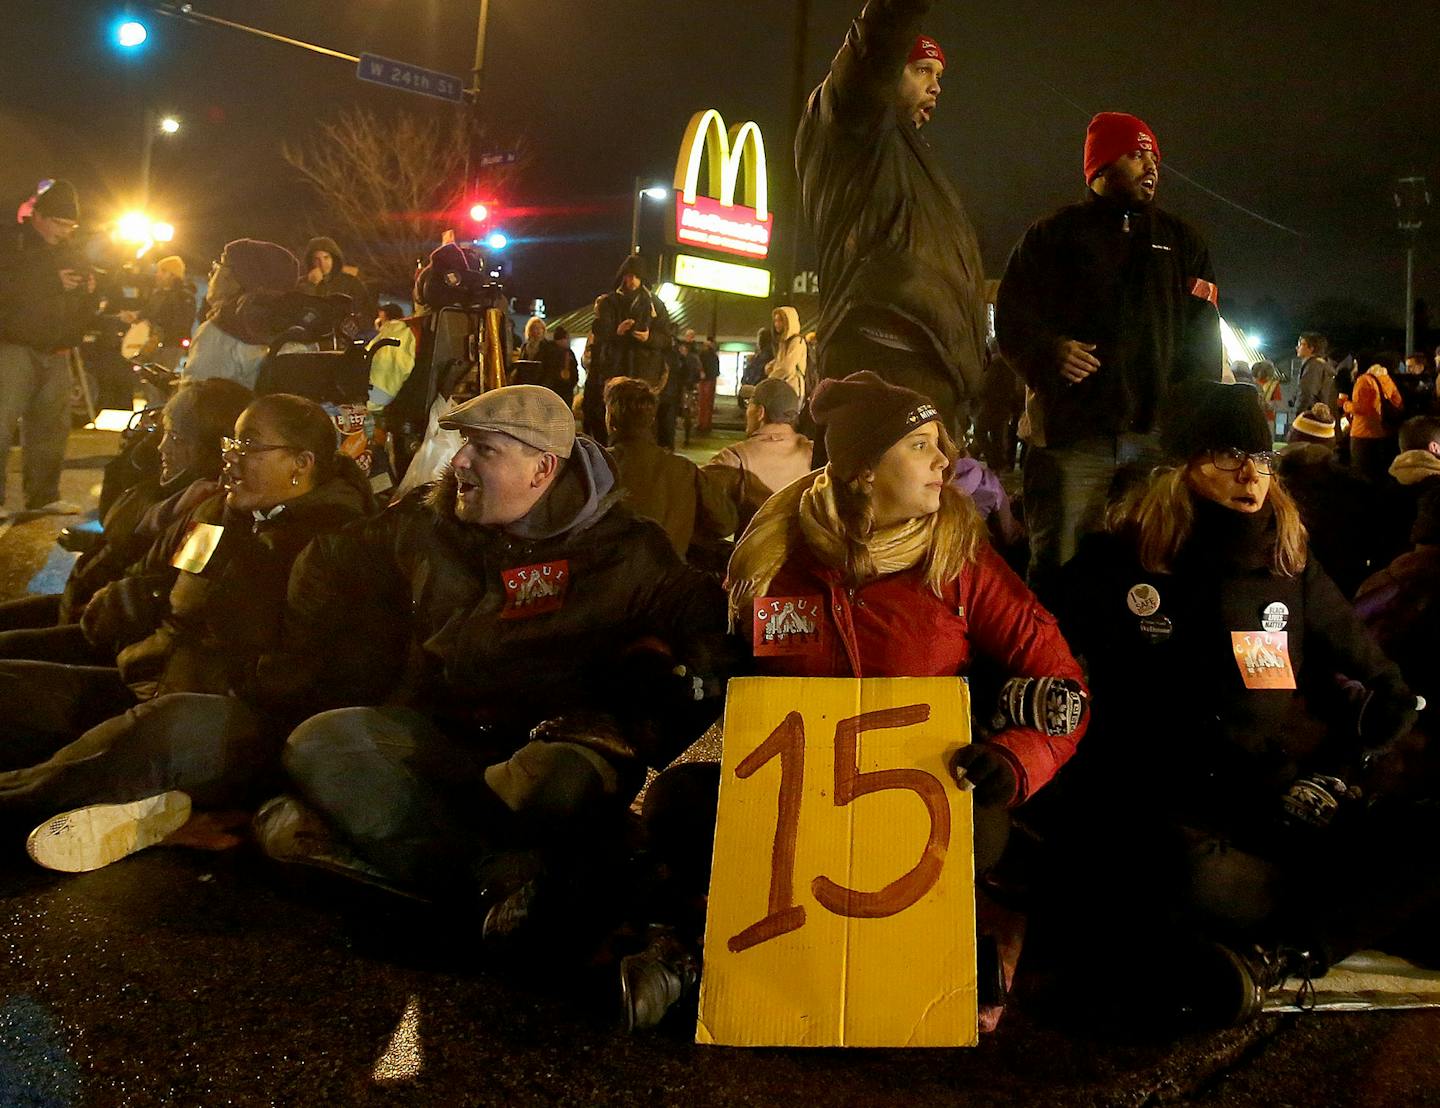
787,742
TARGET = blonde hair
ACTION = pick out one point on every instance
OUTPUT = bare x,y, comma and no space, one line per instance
1161,514
955,540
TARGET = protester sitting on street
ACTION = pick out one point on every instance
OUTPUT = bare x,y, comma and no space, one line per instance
200,699
668,488
1374,408
230,343
195,420
772,455
553,644
1416,474
1315,424
1341,513
901,582
1215,828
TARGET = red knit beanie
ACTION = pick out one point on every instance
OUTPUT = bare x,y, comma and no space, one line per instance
1112,135
864,416
926,47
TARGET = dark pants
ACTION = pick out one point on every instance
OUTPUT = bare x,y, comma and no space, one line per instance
210,747
1370,458
849,353
35,390
66,644
1066,490
30,611
592,408
415,802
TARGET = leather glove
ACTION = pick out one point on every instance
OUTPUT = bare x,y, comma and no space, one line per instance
982,768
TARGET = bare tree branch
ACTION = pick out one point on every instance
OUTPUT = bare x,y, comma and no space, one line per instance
394,184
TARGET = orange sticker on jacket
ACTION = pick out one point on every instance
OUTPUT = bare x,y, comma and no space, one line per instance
1264,659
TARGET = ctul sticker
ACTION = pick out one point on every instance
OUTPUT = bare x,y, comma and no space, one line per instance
534,590
1264,659
787,625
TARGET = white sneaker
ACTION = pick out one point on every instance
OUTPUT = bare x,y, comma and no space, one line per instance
91,838
60,508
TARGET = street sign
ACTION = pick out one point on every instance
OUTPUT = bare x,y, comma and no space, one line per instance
498,157
410,78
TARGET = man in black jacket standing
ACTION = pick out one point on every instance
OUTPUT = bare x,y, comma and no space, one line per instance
46,301
1104,307
901,279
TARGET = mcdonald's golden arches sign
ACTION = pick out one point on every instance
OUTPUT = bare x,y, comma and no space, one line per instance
732,214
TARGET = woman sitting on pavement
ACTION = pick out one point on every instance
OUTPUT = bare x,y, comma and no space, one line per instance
200,703
1223,831
196,418
880,537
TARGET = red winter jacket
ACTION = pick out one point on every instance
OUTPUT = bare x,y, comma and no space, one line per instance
896,627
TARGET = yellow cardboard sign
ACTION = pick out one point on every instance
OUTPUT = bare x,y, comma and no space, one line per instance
842,897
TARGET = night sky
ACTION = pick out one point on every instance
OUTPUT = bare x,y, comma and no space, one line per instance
1303,113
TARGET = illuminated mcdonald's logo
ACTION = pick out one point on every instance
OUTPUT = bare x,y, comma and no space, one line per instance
715,220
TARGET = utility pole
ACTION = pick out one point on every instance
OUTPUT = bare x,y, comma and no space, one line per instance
799,88
1412,197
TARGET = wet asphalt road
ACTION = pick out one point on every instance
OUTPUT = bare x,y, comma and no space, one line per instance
194,978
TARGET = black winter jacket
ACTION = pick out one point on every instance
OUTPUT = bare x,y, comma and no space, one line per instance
1136,283
221,627
35,309
1175,729
891,232
620,355
492,631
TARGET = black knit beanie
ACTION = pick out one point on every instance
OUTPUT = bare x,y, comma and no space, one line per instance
863,416
1206,415
59,201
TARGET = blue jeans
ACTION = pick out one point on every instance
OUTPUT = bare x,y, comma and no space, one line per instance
35,389
1066,491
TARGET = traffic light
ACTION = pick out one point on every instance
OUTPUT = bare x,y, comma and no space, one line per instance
130,33
479,213
497,240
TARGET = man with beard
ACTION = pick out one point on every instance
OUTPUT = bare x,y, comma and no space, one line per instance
901,278
535,645
1104,307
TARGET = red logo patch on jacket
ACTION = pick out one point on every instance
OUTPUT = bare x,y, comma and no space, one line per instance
788,625
535,590
1206,290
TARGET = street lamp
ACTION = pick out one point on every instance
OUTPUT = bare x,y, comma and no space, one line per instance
1412,197
169,125
155,124
130,34
653,192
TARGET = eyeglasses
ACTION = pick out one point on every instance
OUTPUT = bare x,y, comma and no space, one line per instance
243,447
1230,461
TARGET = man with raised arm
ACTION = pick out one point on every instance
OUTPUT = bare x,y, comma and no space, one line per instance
901,279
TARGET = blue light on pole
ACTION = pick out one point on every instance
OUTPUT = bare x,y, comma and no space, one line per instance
498,240
131,34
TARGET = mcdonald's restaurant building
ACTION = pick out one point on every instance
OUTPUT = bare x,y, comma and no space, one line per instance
710,250
710,247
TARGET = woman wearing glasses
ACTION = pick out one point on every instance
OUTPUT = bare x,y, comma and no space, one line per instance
1238,704
199,701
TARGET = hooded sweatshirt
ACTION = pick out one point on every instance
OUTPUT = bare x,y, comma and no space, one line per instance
337,281
501,627
788,365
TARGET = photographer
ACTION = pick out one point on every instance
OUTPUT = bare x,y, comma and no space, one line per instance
47,298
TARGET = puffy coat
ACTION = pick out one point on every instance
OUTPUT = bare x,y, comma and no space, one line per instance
221,625
1136,283
35,309
890,230
896,627
623,355
1176,729
492,630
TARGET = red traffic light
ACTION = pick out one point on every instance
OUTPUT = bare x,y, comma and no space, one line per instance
479,213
